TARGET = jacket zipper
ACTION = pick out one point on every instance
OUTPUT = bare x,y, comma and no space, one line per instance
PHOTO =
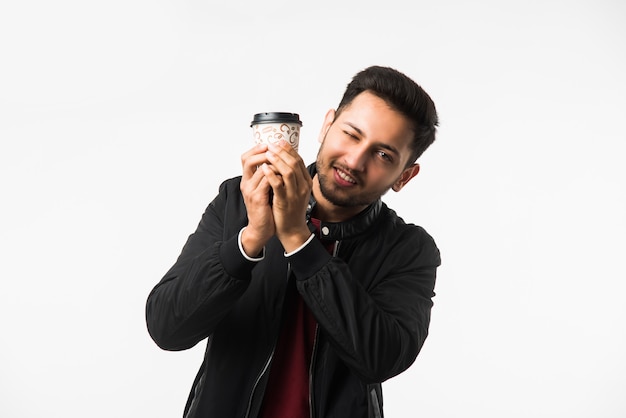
258,379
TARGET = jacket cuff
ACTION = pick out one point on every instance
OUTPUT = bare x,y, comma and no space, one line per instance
243,252
233,261
309,260
311,237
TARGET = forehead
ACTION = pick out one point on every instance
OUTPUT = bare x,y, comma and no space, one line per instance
377,120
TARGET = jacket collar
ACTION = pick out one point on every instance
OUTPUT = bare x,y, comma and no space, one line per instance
354,226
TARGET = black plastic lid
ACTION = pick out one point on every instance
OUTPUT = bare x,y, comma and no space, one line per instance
276,117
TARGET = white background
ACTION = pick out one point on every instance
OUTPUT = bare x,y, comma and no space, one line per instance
119,119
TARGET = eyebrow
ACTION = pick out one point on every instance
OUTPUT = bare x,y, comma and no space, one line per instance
380,144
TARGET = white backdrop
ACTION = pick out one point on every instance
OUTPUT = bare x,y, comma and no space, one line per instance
119,119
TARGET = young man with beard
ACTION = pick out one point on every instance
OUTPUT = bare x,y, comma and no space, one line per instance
311,301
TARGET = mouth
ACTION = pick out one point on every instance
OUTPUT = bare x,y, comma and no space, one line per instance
343,178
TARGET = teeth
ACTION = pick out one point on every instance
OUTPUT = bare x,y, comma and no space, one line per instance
345,176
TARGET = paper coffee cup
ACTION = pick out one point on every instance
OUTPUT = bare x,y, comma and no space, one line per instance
270,127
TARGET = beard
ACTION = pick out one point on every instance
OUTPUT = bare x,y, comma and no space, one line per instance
344,197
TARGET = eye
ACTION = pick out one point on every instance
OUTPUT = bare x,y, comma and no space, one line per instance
385,156
351,135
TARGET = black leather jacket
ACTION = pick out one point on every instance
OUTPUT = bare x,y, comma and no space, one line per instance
372,302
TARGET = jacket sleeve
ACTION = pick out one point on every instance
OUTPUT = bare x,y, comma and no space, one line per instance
207,279
377,331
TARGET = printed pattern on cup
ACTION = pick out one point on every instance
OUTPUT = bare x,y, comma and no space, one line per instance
274,132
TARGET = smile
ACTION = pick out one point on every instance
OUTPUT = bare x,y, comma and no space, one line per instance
342,175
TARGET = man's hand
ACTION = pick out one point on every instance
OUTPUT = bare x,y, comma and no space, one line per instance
291,182
255,190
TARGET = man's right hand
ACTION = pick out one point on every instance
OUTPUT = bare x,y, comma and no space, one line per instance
255,190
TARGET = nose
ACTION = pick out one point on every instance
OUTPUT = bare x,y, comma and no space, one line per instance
356,157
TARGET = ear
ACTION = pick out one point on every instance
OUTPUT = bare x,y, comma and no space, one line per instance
328,120
406,175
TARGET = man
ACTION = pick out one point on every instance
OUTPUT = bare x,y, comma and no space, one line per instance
311,300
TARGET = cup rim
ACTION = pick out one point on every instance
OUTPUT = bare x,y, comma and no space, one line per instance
276,117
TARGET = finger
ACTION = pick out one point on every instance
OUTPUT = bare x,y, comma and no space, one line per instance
256,192
250,183
280,177
273,177
291,167
284,151
291,157
256,149
275,181
253,158
283,158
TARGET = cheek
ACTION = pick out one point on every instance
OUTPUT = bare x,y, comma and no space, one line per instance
381,178
331,148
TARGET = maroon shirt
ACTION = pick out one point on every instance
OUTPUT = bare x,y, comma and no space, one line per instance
287,392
